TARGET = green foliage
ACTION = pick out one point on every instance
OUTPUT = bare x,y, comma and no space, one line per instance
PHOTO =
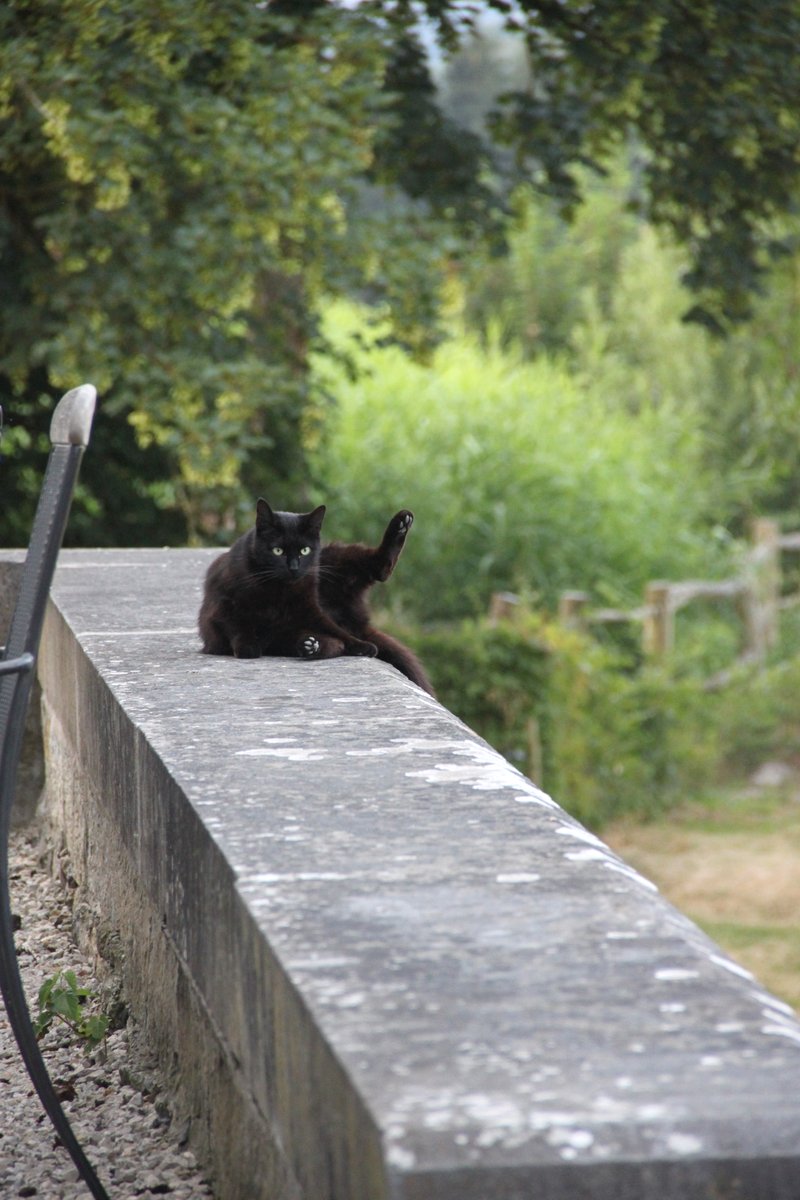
607,737
521,476
604,292
536,295
452,178
606,733
744,393
603,739
709,90
62,999
495,677
625,742
183,188
759,714
751,414
115,502
178,189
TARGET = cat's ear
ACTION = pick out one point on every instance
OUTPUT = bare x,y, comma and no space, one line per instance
264,514
313,520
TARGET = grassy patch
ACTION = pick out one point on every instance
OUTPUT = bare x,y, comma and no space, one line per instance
771,952
729,861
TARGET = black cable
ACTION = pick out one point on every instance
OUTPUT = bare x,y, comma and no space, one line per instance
16,676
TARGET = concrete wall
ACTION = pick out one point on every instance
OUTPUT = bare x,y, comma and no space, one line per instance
378,962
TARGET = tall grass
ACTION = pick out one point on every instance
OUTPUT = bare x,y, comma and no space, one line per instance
521,475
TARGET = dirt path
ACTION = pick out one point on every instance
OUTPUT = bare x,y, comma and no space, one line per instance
732,864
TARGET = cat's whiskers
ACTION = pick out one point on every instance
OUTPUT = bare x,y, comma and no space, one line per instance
268,573
324,572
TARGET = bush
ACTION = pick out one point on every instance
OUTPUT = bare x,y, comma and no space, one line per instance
567,711
495,677
534,297
520,477
758,715
605,289
604,733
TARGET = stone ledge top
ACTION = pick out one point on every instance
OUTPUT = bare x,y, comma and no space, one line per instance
506,995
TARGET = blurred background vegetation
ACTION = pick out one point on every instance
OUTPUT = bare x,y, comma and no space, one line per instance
531,270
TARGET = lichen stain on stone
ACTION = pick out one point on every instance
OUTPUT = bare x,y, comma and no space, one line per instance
599,852
582,835
780,1025
586,855
623,869
570,1140
271,877
684,1143
773,1002
486,772
519,877
290,753
729,965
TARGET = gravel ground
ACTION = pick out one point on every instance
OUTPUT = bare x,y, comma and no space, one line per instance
112,1096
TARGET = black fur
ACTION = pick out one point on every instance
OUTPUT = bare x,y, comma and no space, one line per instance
278,592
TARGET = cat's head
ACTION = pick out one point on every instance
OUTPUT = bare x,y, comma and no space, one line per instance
288,543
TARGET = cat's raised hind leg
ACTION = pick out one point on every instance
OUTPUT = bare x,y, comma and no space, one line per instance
392,544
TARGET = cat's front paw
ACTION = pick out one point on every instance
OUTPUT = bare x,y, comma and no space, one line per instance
309,647
246,650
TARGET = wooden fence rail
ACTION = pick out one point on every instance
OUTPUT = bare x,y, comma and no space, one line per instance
756,595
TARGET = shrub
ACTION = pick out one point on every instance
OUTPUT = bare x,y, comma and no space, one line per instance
520,476
603,739
759,717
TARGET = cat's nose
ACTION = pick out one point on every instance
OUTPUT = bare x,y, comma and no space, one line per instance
293,565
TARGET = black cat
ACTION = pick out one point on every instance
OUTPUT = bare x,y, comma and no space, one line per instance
277,592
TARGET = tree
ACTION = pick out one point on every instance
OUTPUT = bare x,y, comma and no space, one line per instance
180,186
709,91
183,185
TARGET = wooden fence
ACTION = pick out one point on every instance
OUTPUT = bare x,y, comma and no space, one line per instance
756,595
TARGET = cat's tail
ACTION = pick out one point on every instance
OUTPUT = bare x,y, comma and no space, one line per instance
400,657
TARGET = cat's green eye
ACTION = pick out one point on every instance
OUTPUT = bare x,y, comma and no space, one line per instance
305,549
277,550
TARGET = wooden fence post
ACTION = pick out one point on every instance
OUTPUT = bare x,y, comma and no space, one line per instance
658,626
751,615
765,572
533,735
572,609
503,606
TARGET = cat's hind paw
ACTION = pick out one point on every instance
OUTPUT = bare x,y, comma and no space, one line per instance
391,547
309,647
401,523
362,649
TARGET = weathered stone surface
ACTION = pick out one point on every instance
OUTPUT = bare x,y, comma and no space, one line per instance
424,979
